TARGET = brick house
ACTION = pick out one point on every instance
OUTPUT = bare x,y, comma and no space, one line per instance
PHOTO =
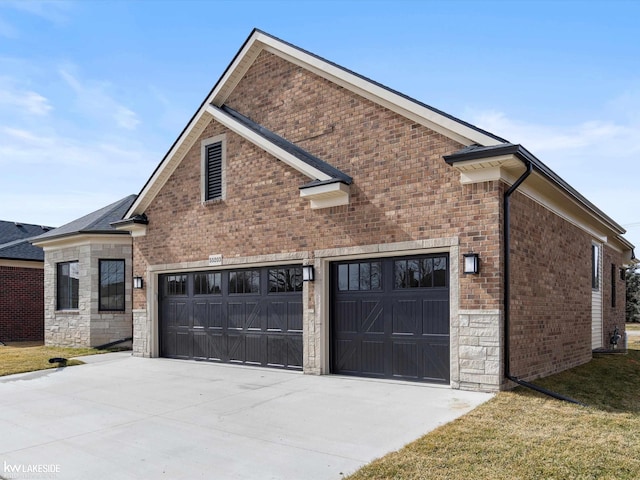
87,279
294,166
22,280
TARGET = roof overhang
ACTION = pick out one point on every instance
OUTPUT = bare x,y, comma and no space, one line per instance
507,163
326,194
21,263
78,239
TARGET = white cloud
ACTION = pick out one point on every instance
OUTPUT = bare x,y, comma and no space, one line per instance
126,118
22,101
93,100
53,11
597,157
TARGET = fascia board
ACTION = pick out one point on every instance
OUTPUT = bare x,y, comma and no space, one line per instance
261,142
34,264
83,239
171,161
377,94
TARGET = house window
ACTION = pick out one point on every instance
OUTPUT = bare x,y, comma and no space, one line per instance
176,285
595,267
613,285
207,283
111,296
244,281
359,276
287,279
68,279
213,169
421,272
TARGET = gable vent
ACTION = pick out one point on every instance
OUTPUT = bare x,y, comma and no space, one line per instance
214,171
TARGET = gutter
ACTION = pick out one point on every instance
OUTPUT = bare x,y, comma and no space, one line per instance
507,289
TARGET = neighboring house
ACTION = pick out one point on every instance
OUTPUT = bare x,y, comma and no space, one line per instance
87,278
22,280
292,162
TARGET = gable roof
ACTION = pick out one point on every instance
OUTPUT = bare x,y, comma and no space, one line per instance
14,241
98,222
258,41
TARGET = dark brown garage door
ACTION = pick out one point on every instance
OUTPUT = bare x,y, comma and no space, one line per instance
248,316
390,318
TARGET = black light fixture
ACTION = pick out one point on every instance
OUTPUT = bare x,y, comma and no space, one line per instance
137,282
307,273
471,263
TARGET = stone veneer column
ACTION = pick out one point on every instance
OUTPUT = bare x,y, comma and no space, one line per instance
479,350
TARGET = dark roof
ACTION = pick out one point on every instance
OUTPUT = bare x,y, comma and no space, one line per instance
287,146
475,152
14,241
95,222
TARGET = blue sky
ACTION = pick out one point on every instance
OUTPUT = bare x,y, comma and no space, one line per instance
93,93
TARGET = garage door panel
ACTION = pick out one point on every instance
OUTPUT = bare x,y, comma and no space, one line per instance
233,316
372,318
236,348
215,316
393,325
405,359
372,357
346,356
294,352
217,343
277,316
201,314
436,362
435,317
347,317
253,348
200,345
276,350
183,344
294,317
253,315
404,316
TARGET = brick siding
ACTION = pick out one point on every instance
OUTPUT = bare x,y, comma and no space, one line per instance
402,191
21,304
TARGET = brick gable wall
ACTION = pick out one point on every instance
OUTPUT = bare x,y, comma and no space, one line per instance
402,191
21,304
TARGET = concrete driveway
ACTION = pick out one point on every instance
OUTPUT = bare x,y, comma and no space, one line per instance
122,417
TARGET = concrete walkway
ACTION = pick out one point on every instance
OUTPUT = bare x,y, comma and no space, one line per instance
122,417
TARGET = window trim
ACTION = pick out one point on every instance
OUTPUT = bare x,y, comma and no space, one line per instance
595,267
58,285
614,271
124,286
204,144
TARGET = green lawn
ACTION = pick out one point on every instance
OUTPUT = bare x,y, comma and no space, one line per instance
524,435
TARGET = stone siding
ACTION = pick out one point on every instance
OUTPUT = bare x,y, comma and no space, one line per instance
87,326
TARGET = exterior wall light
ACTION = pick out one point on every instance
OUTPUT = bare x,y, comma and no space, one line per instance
307,273
471,263
137,282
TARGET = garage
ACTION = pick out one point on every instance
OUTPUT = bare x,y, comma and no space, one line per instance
244,316
390,318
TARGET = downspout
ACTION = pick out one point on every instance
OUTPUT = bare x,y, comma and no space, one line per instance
507,289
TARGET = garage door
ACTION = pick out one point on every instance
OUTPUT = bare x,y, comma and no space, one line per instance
248,316
390,318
